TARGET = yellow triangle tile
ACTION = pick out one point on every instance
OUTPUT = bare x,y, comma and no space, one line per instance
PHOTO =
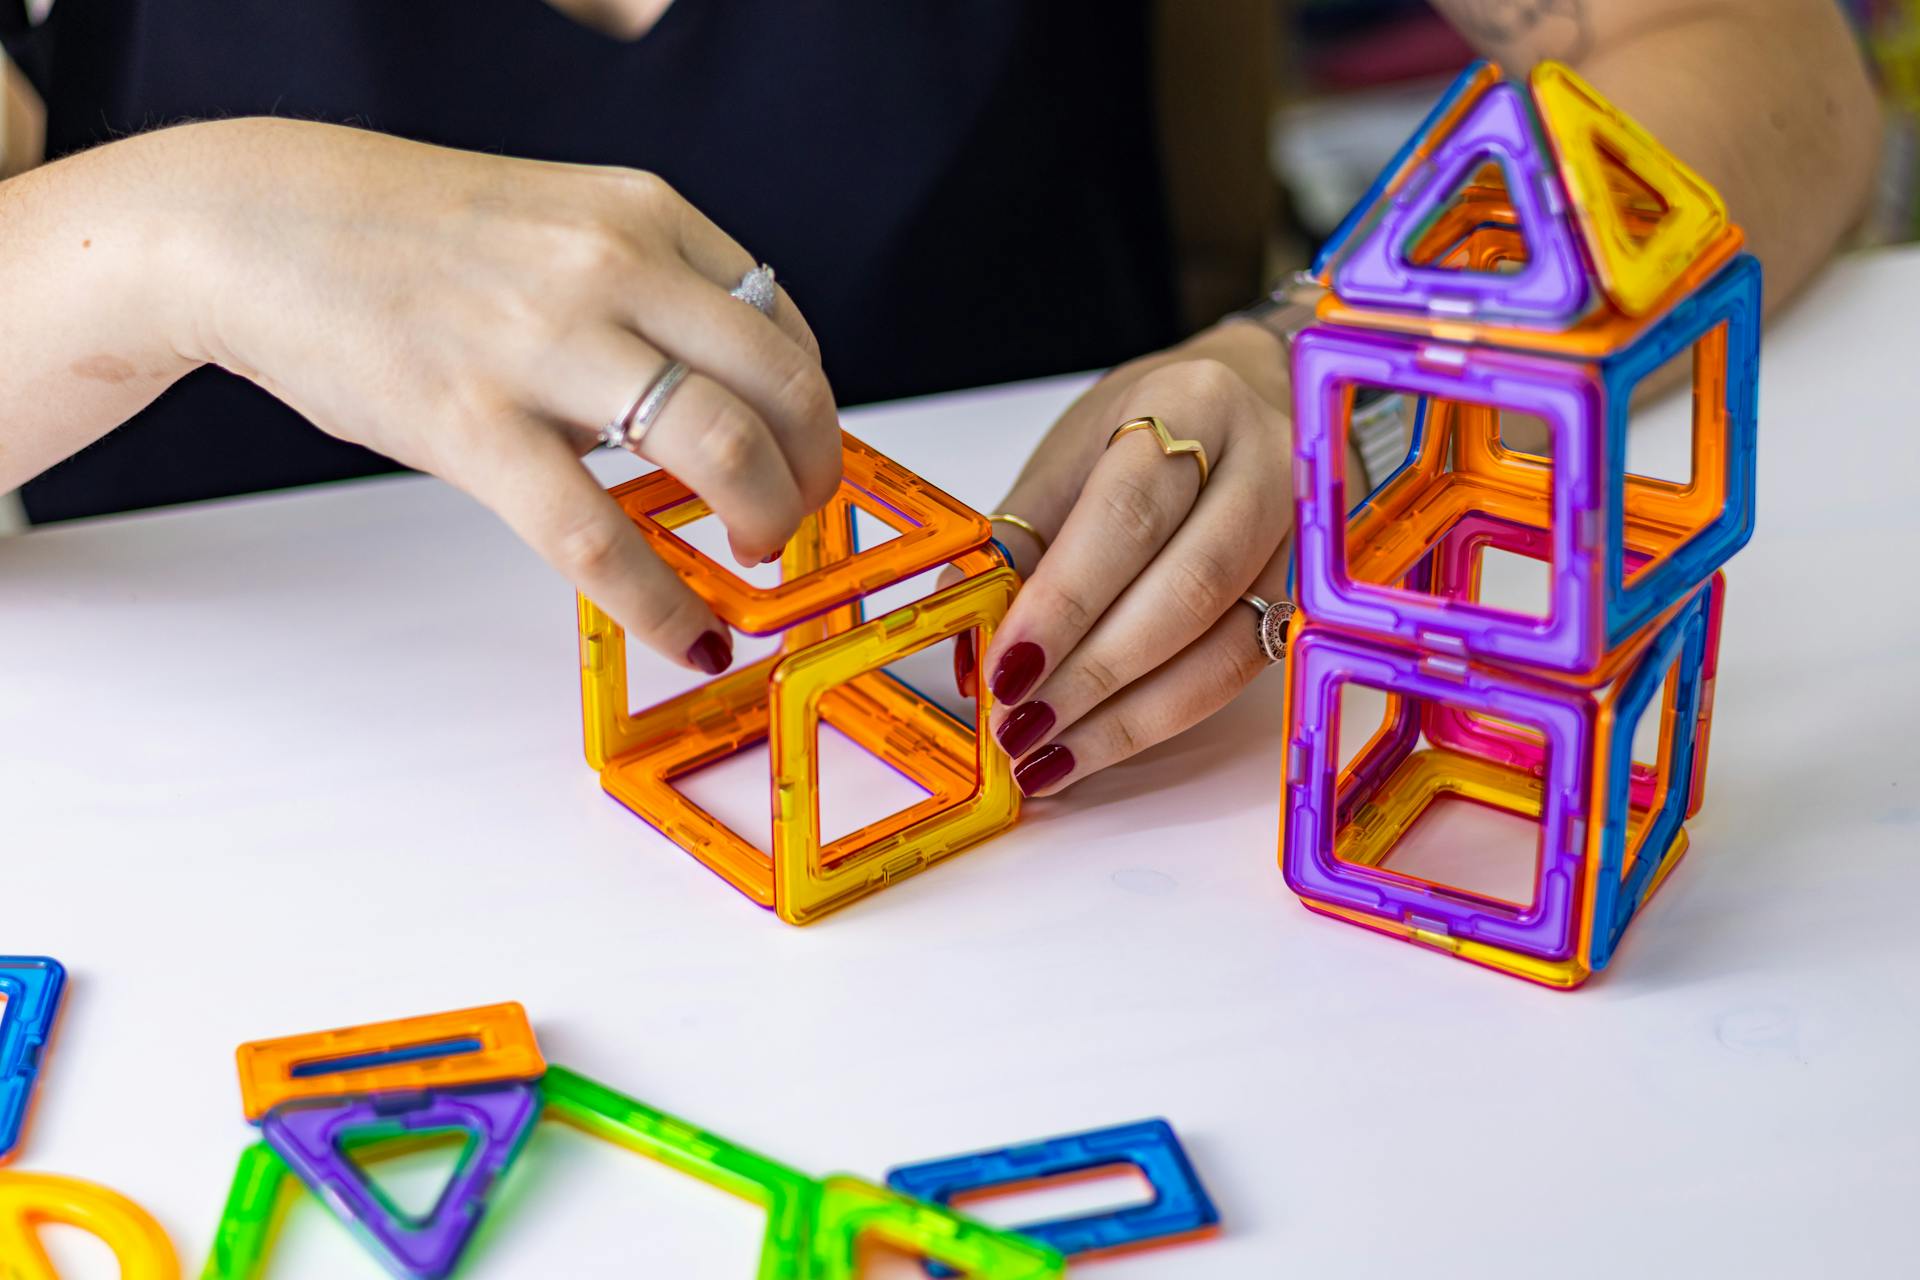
1593,142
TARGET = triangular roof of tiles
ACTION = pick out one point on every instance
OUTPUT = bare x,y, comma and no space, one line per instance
1533,214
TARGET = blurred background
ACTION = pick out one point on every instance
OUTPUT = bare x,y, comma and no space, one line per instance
1253,194
1350,80
1356,75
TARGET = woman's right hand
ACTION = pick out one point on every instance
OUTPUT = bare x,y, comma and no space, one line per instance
483,318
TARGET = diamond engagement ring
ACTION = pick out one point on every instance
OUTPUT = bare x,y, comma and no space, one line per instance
1273,625
756,289
627,430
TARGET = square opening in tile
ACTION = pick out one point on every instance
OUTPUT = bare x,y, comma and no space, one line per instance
857,789
1655,452
1445,502
1429,813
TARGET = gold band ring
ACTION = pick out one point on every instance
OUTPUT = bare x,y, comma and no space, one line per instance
1168,445
1007,517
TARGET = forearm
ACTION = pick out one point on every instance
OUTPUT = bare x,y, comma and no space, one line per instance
1788,131
1768,99
94,276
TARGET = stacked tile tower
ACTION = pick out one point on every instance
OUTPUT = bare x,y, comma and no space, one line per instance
1530,254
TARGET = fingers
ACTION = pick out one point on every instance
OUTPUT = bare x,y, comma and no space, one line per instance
1195,579
710,439
1043,495
719,448
1132,501
693,319
672,287
533,481
1142,600
1196,683
1055,473
716,256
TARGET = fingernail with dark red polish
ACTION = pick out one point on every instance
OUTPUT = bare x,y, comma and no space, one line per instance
1025,728
963,664
712,652
1043,768
769,559
1018,670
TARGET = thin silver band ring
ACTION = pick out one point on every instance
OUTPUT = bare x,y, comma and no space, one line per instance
630,428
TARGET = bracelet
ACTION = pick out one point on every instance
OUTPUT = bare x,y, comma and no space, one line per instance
1377,431
1286,310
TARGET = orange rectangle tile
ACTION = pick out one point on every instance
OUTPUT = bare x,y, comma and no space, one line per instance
488,1045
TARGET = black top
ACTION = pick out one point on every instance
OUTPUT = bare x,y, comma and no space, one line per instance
955,191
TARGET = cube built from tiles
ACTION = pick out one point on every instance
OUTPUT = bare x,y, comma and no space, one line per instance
828,669
1531,256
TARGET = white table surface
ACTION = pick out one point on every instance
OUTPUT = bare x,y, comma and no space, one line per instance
301,761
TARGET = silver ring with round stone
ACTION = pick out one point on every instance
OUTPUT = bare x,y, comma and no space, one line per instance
756,289
1273,624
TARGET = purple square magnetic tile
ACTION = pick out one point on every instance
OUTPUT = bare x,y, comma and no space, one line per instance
1321,661
1565,395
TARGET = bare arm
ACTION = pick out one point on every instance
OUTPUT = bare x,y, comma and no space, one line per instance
1768,99
92,325
474,316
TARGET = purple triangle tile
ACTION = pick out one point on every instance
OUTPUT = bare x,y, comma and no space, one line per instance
1551,287
1465,83
311,1138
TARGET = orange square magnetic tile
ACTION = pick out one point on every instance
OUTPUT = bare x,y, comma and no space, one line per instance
933,530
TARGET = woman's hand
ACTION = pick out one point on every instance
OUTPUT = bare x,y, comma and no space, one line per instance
483,318
1130,628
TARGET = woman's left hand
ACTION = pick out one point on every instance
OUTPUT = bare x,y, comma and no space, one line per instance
1129,626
